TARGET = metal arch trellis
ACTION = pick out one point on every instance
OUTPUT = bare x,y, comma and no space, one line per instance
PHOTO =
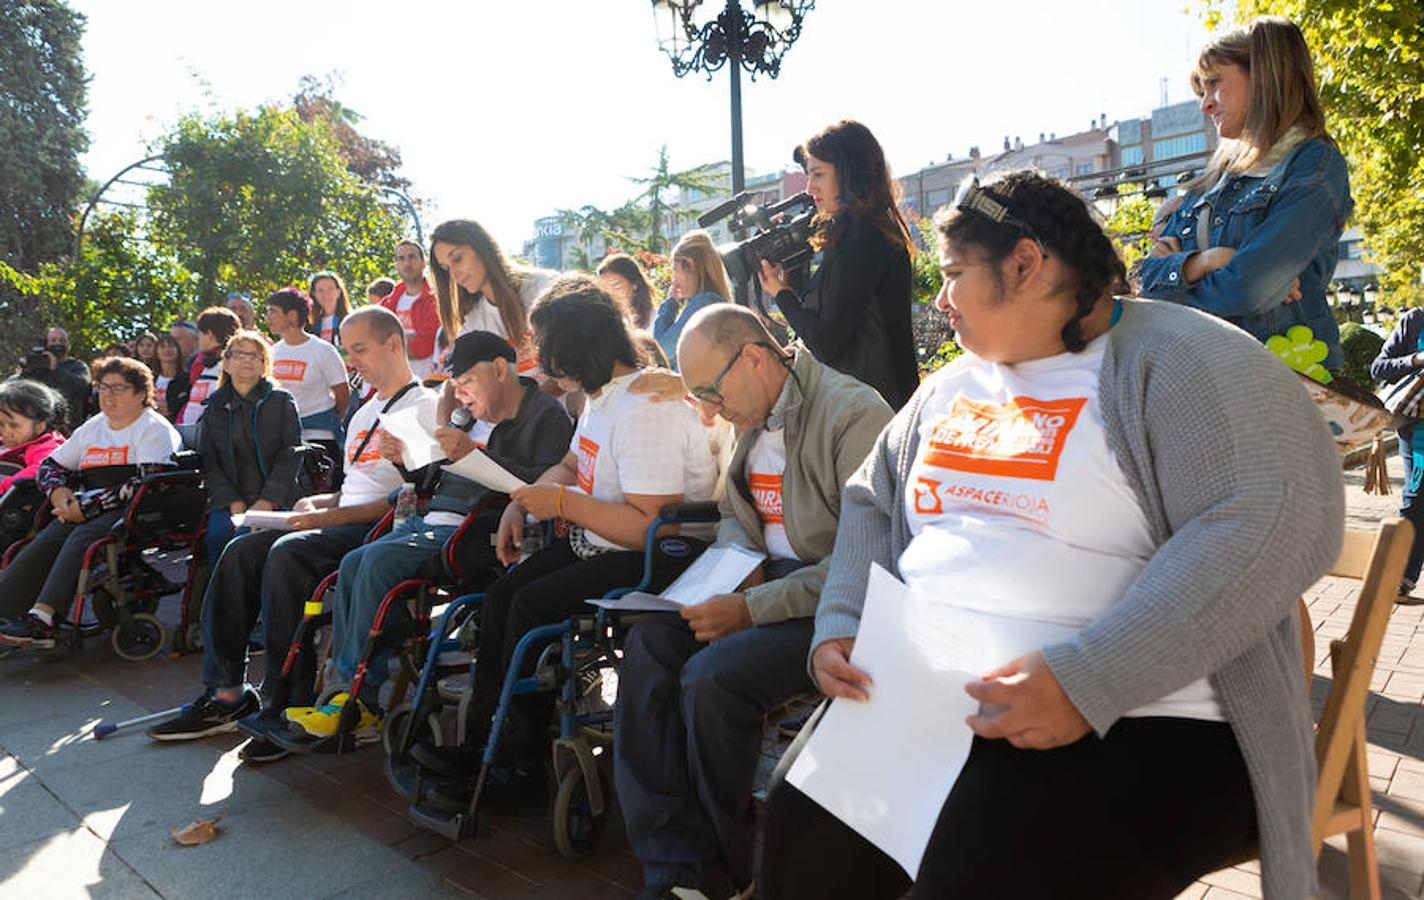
407,205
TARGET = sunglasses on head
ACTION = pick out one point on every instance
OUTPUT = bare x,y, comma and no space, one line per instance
971,197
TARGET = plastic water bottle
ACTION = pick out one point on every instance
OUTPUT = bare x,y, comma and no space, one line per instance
405,504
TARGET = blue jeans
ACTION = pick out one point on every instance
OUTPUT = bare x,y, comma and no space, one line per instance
366,575
220,533
1411,505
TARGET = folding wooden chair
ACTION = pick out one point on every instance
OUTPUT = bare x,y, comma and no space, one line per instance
1342,793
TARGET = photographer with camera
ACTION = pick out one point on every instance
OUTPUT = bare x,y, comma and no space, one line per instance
854,312
52,366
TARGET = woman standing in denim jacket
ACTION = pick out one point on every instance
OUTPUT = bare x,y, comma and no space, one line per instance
1255,238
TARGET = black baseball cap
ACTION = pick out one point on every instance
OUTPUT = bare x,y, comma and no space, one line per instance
477,347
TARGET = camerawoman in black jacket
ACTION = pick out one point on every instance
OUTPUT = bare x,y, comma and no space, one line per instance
854,314
248,441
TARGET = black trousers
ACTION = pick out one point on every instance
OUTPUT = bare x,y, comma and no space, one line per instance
271,575
687,736
1139,814
546,589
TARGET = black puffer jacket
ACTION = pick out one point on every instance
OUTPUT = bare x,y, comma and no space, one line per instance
249,446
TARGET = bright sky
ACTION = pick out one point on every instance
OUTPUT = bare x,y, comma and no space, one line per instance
504,111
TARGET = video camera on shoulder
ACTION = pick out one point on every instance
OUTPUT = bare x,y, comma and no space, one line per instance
785,242
37,360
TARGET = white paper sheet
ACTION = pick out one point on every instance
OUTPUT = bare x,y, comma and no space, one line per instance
719,570
886,766
479,468
265,519
415,427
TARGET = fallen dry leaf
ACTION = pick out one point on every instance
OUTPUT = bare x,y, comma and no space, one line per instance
199,832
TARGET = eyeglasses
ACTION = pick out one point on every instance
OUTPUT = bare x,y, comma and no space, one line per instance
712,394
972,198
249,355
117,388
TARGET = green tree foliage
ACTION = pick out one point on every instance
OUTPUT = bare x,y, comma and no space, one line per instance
638,223
370,160
1130,225
42,83
119,286
257,200
1369,57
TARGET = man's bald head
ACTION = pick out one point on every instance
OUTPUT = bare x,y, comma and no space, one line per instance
730,361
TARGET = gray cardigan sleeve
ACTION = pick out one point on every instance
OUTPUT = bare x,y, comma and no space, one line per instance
1226,444
870,517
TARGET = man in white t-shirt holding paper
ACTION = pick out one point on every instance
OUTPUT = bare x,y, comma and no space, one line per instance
413,301
695,687
273,573
308,368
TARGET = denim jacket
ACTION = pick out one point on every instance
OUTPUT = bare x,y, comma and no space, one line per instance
1283,224
667,327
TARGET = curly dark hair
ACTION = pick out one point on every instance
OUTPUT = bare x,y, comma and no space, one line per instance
580,332
1061,220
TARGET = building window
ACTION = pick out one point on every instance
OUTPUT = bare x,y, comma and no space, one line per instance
935,199
1084,169
1179,146
1132,156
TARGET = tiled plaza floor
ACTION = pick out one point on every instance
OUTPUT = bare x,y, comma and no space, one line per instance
80,818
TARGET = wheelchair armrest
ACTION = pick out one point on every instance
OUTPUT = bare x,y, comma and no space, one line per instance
179,476
700,511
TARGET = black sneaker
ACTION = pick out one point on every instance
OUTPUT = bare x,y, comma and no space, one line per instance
261,726
448,762
206,716
28,631
261,750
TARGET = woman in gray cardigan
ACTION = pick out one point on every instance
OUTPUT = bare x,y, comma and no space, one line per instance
1134,494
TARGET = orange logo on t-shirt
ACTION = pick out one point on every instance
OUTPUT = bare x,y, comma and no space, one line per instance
200,391
290,369
766,496
407,320
372,451
927,499
104,456
1021,439
587,459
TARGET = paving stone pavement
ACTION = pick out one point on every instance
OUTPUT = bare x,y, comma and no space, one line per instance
80,818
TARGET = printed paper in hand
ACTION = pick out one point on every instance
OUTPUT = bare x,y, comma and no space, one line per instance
919,654
480,469
415,427
265,520
717,571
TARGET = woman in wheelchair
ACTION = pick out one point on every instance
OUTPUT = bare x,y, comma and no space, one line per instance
248,440
30,416
88,480
629,457
1129,497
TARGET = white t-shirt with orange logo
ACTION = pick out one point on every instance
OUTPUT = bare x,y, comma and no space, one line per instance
308,371
1019,510
631,444
369,477
766,466
149,439
198,395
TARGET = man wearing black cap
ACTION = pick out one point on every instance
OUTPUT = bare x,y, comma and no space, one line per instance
514,423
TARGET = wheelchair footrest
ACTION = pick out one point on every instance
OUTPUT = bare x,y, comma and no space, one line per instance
451,826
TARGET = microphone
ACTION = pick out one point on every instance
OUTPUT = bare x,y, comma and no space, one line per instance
460,418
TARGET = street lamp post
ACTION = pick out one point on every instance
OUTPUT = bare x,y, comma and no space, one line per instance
698,36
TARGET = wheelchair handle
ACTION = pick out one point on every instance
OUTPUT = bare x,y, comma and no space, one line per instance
699,511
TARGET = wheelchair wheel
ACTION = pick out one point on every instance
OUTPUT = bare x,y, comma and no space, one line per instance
193,638
576,828
140,637
402,771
